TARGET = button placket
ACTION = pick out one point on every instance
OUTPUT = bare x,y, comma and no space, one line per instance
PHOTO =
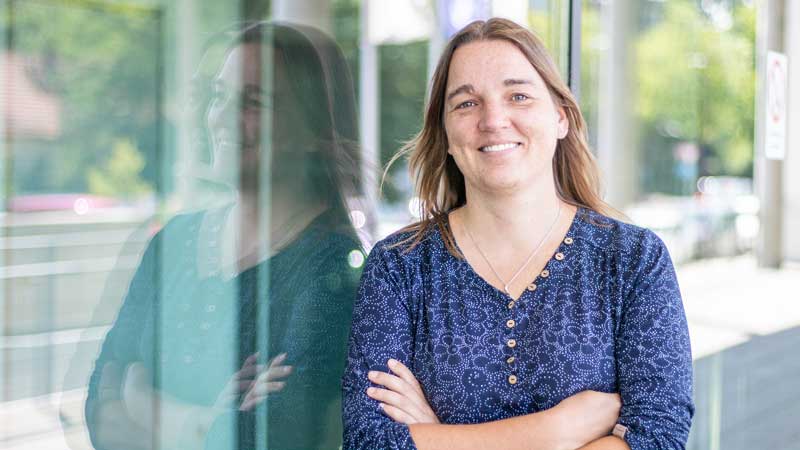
511,323
510,344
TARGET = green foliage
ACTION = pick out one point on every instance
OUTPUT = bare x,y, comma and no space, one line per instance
696,82
101,61
346,29
403,80
120,176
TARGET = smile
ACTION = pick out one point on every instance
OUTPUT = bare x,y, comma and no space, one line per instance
499,147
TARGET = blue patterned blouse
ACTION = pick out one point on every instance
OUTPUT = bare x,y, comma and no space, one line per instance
605,314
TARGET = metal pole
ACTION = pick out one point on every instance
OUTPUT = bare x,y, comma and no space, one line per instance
768,173
791,186
616,151
574,52
369,115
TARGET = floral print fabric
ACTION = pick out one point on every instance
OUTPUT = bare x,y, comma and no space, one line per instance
605,314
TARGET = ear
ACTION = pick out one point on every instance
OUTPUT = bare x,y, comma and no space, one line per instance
563,122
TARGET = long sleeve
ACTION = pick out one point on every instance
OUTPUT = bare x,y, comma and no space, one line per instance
654,363
382,328
322,303
121,344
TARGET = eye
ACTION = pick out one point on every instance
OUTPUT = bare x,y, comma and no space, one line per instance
465,104
251,101
519,97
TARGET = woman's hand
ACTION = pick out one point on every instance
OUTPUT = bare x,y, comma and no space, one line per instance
402,399
253,382
588,416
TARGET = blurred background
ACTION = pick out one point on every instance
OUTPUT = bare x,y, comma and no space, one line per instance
688,108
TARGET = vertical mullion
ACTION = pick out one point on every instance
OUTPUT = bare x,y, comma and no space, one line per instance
574,47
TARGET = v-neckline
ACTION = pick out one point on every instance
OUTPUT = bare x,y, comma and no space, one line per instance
537,280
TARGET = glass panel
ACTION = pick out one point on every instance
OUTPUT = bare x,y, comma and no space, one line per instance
669,93
187,204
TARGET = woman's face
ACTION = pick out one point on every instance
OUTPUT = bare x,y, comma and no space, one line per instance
243,101
501,122
235,112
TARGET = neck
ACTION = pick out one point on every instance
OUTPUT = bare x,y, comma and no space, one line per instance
287,217
511,218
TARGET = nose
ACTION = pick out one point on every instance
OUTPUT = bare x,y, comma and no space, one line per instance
494,116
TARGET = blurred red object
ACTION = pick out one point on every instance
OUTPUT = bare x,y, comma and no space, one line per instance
79,203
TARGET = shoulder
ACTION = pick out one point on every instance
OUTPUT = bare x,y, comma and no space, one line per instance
638,256
408,246
184,225
621,239
399,258
327,245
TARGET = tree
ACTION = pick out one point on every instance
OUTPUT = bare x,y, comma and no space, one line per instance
696,82
102,62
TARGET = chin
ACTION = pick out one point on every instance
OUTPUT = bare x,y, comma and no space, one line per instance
501,184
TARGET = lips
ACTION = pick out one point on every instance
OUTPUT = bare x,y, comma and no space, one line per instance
494,148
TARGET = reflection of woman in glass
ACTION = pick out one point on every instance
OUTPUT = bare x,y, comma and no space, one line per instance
515,311
227,317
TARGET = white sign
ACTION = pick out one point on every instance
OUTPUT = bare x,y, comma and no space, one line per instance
777,84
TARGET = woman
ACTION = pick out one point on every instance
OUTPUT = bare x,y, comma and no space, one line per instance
227,320
515,310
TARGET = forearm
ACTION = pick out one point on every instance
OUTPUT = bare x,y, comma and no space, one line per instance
543,430
607,443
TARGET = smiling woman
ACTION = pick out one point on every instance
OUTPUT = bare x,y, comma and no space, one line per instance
516,313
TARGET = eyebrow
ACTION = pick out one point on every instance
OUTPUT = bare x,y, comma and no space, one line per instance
463,89
468,88
515,81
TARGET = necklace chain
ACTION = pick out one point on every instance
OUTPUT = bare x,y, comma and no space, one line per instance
527,261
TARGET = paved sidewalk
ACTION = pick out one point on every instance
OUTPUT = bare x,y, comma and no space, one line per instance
730,300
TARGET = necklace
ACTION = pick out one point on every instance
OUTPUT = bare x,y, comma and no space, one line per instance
527,261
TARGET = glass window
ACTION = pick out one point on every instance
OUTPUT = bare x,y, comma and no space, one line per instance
190,190
668,89
189,196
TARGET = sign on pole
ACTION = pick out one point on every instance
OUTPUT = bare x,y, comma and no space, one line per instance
777,84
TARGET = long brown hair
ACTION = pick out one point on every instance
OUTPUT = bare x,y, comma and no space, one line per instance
439,183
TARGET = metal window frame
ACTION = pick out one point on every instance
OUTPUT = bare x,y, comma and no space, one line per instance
574,47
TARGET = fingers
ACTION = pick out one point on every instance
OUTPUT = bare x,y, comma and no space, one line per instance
276,373
276,361
396,400
251,359
397,414
258,392
266,380
251,402
405,374
402,396
249,371
401,386
390,381
260,389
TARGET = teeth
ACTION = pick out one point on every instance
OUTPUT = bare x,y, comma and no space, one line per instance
498,147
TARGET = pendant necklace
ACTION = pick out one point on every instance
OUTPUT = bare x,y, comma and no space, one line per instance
527,261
